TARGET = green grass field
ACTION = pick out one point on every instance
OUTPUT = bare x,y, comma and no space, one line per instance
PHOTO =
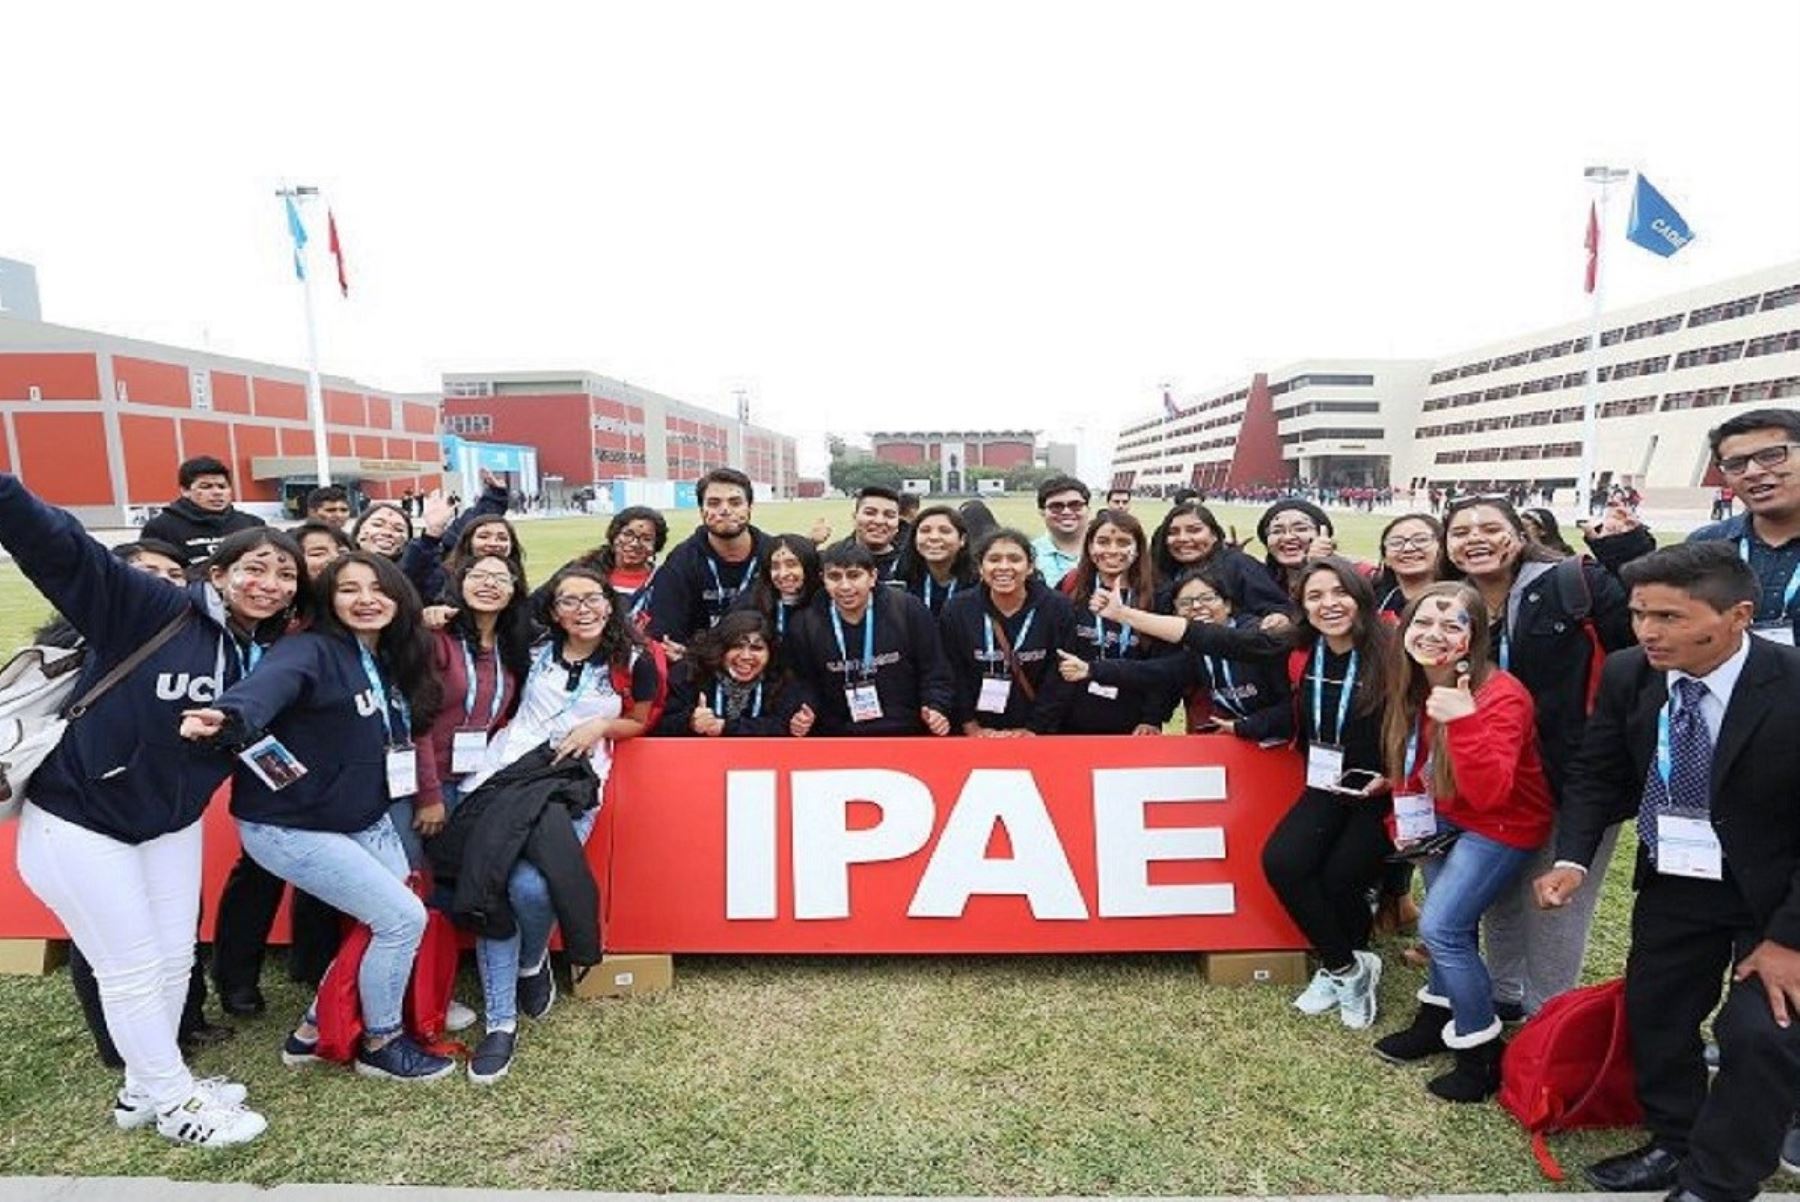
929,1075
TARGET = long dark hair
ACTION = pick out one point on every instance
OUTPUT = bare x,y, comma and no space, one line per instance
962,568
602,559
1408,687
238,545
1385,579
514,628
619,637
356,526
1530,550
979,519
763,596
707,649
1550,533
1165,565
1369,635
464,550
404,645
1138,576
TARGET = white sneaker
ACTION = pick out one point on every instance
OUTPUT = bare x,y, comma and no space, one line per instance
1321,997
1356,992
203,1123
458,1017
134,1110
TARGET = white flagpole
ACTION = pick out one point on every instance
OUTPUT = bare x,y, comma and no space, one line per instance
1605,177
315,399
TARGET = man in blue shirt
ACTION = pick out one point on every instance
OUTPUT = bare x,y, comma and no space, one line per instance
1754,452
1063,500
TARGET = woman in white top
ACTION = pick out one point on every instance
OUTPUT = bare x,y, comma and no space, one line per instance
574,700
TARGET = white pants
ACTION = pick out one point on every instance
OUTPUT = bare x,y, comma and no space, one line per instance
131,909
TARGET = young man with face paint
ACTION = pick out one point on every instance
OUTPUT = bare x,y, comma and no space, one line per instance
1460,742
703,576
869,656
202,516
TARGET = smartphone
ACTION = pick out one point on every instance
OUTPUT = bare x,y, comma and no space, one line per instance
1356,780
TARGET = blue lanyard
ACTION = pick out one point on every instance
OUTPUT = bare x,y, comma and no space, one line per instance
1318,695
247,659
391,700
1505,652
1221,669
723,599
1124,631
469,691
949,590
581,684
1793,585
1412,759
868,655
755,700
781,608
987,631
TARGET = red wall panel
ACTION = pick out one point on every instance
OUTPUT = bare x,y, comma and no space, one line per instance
381,412
367,446
253,442
230,393
345,408
59,377
421,419
5,452
900,452
337,444
62,457
148,382
558,425
296,440
202,437
279,398
151,459
1256,459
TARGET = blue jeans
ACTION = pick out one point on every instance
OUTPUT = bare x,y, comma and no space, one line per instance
502,960
364,875
401,814
1459,886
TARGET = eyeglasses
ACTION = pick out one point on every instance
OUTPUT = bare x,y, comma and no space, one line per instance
592,602
632,536
1197,601
1773,456
1065,506
1409,542
497,579
1304,530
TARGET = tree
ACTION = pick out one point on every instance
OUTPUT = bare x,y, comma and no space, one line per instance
850,476
1026,478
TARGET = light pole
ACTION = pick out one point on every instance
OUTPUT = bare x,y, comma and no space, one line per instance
315,400
1603,178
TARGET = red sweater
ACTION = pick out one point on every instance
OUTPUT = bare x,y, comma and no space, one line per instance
452,669
1500,787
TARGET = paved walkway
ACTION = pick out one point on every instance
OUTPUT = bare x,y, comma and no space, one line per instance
161,1189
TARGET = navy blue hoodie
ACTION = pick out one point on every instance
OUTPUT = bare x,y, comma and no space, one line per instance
311,692
687,598
910,672
963,623
123,770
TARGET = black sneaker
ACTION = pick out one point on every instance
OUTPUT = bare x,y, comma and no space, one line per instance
243,1001
1509,1011
400,1059
492,1058
205,1035
298,1053
537,992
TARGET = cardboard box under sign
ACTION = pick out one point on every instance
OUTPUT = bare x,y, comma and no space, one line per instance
31,957
1255,968
627,976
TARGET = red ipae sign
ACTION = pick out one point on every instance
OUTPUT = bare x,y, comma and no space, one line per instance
1065,844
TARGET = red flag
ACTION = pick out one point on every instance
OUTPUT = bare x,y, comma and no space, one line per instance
337,251
1593,245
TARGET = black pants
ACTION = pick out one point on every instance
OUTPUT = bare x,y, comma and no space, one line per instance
1321,860
87,993
1685,936
247,908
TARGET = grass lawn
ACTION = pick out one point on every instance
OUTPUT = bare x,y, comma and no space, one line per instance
951,1075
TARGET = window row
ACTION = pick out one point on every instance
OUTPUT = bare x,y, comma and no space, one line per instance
1551,450
1321,380
468,423
1337,435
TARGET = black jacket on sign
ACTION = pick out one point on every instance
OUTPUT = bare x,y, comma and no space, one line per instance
524,812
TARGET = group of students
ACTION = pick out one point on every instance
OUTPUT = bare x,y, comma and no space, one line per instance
1441,701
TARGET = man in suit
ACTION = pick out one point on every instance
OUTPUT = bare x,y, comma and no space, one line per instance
1696,738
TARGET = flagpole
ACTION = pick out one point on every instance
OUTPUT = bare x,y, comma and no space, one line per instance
315,400
1605,177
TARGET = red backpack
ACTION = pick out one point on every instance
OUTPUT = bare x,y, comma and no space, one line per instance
1570,1067
339,1005
621,681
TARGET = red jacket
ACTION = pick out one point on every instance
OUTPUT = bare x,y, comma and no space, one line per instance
1501,791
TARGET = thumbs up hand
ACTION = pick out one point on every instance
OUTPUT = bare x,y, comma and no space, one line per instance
1072,667
1445,704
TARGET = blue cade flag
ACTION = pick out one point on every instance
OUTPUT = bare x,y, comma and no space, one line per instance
297,231
1655,225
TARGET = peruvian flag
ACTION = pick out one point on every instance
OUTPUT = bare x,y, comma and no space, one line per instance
337,252
1593,245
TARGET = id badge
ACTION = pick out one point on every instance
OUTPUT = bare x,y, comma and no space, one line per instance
272,763
996,691
1415,816
402,771
1324,765
1688,847
1108,691
865,702
468,751
1775,632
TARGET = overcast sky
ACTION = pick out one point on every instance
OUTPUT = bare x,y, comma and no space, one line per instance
957,214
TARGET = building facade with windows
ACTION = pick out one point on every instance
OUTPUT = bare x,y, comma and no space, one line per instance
589,430
1506,413
99,424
